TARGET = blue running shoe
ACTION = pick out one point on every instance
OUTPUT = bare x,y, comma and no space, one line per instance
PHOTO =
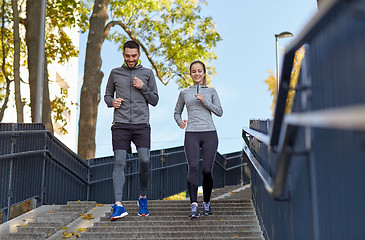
143,209
118,212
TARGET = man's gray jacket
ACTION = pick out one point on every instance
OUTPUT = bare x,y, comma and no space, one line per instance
134,109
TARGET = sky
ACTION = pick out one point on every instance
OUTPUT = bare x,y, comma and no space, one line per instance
245,55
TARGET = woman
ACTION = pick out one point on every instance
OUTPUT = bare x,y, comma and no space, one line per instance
200,133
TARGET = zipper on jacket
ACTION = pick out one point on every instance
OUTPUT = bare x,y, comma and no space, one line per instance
130,96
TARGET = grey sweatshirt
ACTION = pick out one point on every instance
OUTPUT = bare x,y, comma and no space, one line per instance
199,113
134,109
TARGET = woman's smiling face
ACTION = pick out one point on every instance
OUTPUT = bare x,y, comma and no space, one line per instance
197,73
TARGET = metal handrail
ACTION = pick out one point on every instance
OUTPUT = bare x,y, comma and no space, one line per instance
352,118
14,155
264,138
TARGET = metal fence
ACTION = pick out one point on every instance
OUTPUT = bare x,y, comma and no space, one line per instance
34,165
307,167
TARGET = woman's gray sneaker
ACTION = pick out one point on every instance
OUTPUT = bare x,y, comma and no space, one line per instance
206,209
194,213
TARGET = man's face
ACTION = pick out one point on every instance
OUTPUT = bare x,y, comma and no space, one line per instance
131,56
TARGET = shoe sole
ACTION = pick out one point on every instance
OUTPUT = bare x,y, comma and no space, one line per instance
143,215
119,217
194,216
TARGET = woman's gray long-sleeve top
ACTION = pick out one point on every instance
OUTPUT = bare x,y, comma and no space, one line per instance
199,113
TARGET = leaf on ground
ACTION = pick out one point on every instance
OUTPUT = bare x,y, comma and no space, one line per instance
50,211
236,236
67,235
24,225
63,228
243,229
88,216
82,229
220,219
99,204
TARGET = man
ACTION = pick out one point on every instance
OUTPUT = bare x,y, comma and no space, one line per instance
129,90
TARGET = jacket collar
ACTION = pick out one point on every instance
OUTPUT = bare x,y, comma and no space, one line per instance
139,65
196,85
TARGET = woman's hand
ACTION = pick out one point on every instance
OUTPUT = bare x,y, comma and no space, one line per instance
183,124
199,97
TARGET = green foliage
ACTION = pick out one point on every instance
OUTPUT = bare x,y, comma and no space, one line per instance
6,48
60,109
84,11
62,15
272,82
172,35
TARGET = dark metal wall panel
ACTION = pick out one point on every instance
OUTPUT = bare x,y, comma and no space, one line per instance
339,160
337,59
26,178
6,145
61,186
4,181
21,126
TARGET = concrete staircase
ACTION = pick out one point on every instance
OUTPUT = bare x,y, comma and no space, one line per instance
233,217
48,222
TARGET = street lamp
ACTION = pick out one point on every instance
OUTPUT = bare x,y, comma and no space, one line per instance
281,35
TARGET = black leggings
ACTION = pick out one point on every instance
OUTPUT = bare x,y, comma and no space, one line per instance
208,143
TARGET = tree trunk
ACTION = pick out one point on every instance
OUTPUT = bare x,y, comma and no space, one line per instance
18,98
6,98
32,25
90,91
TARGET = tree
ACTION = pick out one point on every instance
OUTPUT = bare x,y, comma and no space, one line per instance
5,76
61,14
272,82
18,101
171,33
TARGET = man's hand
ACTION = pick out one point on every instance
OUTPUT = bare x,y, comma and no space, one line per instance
117,102
137,83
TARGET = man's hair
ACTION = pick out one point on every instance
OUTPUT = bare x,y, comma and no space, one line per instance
131,44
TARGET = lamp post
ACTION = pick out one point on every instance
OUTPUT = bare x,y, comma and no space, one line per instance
281,35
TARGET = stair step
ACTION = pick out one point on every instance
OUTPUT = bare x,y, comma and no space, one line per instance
44,224
22,236
135,218
46,230
171,235
232,219
181,222
166,229
182,237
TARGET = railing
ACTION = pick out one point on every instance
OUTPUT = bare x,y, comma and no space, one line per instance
34,165
168,174
307,167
